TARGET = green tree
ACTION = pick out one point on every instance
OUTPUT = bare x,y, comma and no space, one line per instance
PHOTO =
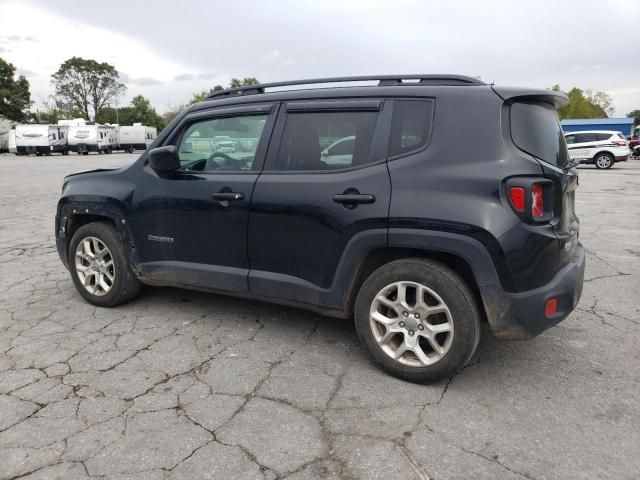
198,97
15,98
591,105
235,82
87,83
55,110
138,111
635,114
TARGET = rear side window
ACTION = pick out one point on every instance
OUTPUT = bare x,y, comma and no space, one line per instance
411,126
602,136
326,140
570,139
536,130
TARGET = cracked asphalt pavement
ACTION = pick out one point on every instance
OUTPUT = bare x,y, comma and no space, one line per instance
181,385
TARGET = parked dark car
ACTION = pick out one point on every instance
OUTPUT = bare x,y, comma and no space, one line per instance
414,235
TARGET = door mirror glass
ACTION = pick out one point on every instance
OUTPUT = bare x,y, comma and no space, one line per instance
164,159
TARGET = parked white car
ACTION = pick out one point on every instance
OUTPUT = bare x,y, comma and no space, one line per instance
601,147
339,152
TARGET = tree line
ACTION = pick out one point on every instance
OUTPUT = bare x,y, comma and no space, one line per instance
88,89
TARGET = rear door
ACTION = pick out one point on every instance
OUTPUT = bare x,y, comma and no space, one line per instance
308,203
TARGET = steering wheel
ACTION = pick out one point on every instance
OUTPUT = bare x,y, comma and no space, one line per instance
228,162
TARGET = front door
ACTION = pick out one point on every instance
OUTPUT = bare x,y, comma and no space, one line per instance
324,182
190,226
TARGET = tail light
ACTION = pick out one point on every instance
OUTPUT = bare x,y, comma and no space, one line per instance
531,198
537,201
620,143
516,195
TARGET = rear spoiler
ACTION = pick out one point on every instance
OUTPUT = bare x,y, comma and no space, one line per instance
511,94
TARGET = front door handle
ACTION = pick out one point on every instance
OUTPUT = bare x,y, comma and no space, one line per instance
353,198
227,196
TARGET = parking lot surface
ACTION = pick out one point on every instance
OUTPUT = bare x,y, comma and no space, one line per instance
180,384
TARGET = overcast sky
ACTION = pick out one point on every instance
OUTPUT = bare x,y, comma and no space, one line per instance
166,50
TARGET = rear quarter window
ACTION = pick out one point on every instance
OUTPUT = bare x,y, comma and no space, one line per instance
411,126
536,130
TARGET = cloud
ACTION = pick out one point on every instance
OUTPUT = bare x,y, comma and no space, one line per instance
184,77
14,38
145,81
206,75
30,38
271,56
25,72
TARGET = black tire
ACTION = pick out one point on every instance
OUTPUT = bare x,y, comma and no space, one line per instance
454,293
603,160
125,285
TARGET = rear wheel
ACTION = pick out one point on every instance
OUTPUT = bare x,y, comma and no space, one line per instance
604,160
418,320
99,268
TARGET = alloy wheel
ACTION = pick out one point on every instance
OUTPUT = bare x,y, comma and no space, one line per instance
95,266
603,161
411,323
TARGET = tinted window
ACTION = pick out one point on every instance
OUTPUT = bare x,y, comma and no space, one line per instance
221,144
411,125
536,130
585,137
326,140
570,139
603,136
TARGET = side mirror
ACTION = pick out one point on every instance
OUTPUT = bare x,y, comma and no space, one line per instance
164,159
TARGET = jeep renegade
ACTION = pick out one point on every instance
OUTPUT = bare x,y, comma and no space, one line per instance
349,200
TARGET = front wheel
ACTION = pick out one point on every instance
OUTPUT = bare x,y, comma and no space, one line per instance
604,160
99,268
418,320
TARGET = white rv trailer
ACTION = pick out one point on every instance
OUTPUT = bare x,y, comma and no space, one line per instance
12,141
41,139
92,138
136,137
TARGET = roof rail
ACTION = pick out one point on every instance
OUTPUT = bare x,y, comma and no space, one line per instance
383,80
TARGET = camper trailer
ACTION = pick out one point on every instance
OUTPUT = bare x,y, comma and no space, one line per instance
92,138
12,141
41,139
136,137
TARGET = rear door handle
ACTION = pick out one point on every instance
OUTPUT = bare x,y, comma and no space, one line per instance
353,198
227,196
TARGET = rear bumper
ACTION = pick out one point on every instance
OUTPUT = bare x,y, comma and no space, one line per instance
622,158
521,316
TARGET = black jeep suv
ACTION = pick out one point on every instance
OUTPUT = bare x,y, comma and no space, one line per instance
358,201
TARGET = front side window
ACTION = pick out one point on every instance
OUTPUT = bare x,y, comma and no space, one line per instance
326,140
411,126
221,144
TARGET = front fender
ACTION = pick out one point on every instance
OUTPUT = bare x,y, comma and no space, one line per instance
75,211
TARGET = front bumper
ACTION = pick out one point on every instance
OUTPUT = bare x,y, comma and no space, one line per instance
521,316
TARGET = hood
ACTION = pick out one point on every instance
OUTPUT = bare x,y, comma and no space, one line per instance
90,172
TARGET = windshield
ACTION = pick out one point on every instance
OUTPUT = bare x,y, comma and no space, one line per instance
536,130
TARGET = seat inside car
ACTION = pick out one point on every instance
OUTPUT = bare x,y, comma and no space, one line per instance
304,148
